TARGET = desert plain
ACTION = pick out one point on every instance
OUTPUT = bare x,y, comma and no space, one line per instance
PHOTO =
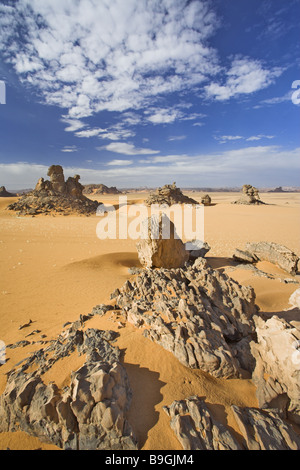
54,269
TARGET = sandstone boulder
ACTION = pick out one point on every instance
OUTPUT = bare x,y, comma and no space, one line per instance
277,254
161,248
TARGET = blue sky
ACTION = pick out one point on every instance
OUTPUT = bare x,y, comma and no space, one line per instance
137,93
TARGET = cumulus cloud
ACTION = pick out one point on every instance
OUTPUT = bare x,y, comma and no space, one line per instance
245,76
127,149
88,56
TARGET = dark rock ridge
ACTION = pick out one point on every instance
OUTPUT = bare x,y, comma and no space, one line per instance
168,194
4,193
55,196
90,413
197,429
250,195
200,315
100,189
277,254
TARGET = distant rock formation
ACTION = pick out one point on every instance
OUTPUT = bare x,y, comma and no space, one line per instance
277,190
168,194
55,196
100,189
4,193
206,200
249,196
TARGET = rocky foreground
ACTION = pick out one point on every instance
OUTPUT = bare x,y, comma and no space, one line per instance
208,322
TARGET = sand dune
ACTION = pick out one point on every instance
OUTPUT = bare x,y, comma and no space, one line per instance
55,268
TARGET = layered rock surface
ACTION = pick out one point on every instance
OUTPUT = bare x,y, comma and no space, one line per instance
200,315
196,428
90,413
55,196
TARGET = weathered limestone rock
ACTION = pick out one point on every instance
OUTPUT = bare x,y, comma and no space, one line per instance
197,313
245,256
265,430
277,254
168,194
90,413
100,189
156,251
277,370
55,196
206,200
197,249
250,195
197,429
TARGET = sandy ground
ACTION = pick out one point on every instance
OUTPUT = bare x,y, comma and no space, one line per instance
55,268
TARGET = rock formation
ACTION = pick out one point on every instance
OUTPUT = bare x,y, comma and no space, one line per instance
168,194
277,370
4,193
156,251
89,413
100,189
200,315
55,196
277,254
249,196
197,429
206,200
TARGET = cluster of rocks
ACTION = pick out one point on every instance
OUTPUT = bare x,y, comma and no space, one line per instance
169,195
200,315
250,195
90,413
55,196
4,193
197,429
277,254
100,189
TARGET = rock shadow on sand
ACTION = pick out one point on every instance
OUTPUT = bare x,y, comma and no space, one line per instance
146,386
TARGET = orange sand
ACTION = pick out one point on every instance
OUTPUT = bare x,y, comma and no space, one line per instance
55,268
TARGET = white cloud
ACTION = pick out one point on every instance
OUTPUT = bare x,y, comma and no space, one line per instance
245,76
120,163
176,137
89,56
265,165
223,139
69,149
127,149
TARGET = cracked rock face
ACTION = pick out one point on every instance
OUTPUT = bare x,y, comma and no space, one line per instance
200,315
277,370
90,413
197,429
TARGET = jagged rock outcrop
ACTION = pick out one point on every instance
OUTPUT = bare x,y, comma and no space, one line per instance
206,200
196,428
196,249
100,189
4,193
159,246
55,196
168,194
250,195
277,254
89,413
277,370
200,315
